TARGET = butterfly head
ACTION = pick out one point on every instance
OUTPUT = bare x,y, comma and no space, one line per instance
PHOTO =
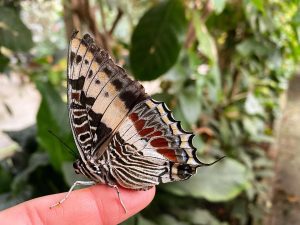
77,165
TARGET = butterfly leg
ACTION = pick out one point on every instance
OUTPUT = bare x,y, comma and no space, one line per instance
119,195
85,183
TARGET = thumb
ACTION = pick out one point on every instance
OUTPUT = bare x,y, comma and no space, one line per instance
94,205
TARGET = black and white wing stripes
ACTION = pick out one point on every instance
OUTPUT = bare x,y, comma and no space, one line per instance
123,136
97,89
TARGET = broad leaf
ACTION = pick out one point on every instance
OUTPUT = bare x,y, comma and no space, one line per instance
207,44
53,116
6,178
156,40
3,62
251,46
69,174
168,219
13,32
259,4
190,105
253,106
137,220
219,5
220,182
36,159
201,216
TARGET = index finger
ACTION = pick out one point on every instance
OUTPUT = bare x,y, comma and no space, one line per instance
94,205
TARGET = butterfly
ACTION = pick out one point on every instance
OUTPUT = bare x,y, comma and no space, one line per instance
124,137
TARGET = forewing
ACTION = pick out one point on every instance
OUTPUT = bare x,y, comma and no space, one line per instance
100,95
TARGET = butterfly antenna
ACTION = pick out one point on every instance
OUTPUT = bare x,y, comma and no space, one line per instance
209,164
71,151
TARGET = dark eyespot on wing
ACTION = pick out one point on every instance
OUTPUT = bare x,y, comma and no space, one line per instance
94,49
94,118
87,39
86,100
78,83
101,57
108,70
132,95
74,105
90,73
184,171
78,59
102,131
127,97
72,57
118,84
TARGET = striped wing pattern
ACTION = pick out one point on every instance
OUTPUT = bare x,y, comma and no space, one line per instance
150,147
123,136
100,95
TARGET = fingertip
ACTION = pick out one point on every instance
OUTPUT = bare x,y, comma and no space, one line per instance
134,201
98,203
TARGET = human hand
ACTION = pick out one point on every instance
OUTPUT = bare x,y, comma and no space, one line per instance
98,204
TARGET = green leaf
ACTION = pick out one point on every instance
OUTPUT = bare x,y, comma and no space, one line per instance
200,216
296,24
69,174
8,199
13,32
143,221
36,159
137,220
206,45
178,115
253,106
53,116
168,219
259,4
190,105
163,97
232,112
133,220
3,62
157,40
6,178
251,46
220,182
219,5
8,150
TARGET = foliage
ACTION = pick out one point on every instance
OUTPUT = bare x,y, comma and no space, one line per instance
221,65
14,35
156,40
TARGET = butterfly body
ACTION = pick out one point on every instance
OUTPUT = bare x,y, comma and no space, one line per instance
124,137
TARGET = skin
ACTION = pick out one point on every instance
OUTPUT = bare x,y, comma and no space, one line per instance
98,204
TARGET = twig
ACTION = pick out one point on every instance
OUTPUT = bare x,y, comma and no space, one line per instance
191,35
235,85
118,17
103,20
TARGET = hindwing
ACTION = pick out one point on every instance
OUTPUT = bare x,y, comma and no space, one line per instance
150,147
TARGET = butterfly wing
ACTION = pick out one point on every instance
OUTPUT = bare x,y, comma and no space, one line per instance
100,95
150,147
123,135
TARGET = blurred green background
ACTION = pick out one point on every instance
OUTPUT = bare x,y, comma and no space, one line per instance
220,65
